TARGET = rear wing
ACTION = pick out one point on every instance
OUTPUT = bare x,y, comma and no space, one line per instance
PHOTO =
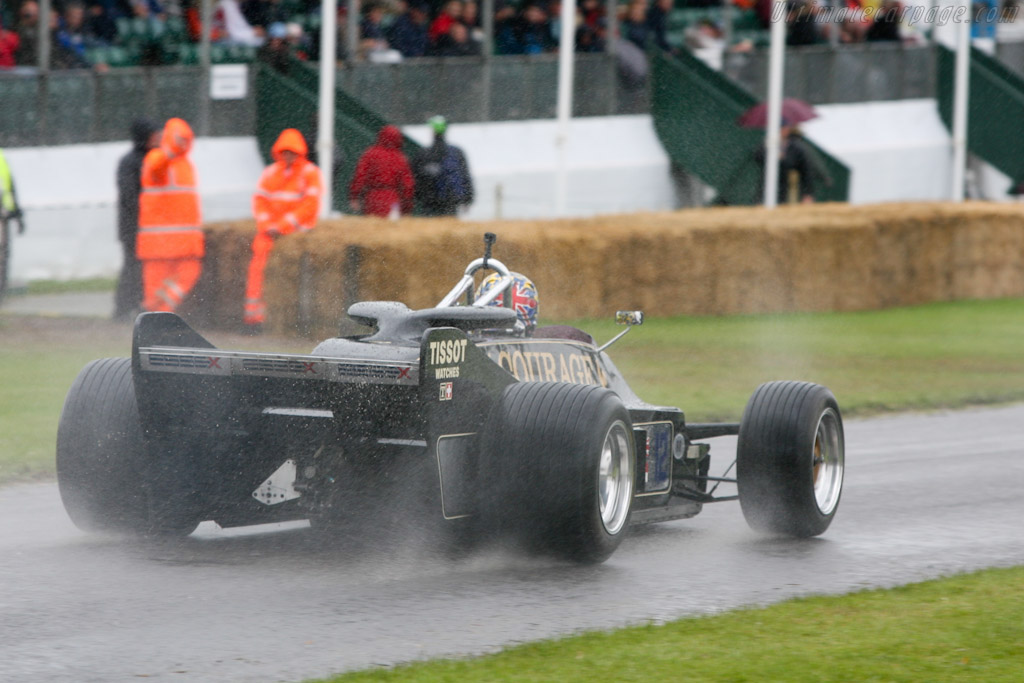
164,343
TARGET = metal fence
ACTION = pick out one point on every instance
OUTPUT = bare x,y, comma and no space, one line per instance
499,89
69,107
850,73
64,107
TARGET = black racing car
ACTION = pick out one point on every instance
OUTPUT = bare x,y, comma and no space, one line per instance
453,415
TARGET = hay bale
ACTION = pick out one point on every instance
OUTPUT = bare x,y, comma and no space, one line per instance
728,260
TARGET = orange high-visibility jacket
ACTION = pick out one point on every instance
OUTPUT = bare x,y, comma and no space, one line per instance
288,197
170,221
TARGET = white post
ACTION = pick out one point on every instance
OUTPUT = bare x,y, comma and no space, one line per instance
771,131
205,36
566,50
960,92
325,114
352,31
43,37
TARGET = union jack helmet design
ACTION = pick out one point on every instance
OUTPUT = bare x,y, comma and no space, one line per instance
524,296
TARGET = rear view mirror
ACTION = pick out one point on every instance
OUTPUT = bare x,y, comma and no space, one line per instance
629,317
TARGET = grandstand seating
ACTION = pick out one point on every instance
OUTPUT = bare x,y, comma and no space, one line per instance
151,41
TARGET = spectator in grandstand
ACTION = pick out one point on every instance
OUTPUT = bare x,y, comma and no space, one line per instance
170,243
1010,27
371,31
150,9
505,23
704,39
657,22
801,169
856,22
297,40
635,28
408,33
591,31
287,200
230,26
276,51
532,32
441,174
471,20
261,14
103,15
457,43
803,25
886,24
61,56
450,13
9,42
27,28
382,184
74,34
128,297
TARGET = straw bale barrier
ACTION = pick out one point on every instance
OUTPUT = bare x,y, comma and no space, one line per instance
823,257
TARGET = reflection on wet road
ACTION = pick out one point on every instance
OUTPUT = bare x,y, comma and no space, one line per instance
925,496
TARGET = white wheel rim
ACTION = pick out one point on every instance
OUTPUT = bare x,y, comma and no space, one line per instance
615,478
828,462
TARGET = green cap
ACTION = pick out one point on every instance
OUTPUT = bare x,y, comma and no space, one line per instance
438,123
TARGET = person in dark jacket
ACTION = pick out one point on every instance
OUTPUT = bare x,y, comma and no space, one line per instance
801,170
443,182
128,297
408,33
382,184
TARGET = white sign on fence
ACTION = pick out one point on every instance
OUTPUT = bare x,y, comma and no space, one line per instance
229,81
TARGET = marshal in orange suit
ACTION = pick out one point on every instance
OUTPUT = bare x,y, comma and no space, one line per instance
170,242
287,200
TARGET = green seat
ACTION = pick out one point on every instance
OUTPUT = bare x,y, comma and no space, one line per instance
188,53
124,29
746,20
176,29
220,54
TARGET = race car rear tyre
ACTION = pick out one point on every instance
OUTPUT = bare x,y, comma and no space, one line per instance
100,457
560,461
790,458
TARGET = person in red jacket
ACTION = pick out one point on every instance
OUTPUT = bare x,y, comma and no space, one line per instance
287,200
382,184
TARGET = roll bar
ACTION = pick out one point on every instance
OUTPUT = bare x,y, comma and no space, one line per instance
465,285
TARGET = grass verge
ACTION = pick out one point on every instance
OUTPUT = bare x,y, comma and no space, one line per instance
939,355
96,284
964,628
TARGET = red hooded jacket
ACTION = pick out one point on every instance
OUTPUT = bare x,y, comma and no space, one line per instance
383,178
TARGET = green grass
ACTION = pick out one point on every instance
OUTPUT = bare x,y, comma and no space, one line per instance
939,355
97,284
34,383
965,628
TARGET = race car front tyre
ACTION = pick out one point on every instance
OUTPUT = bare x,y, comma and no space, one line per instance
100,457
790,459
560,461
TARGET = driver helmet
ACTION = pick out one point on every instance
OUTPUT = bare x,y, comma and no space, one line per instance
525,301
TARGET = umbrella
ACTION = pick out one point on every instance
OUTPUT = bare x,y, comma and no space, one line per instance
794,111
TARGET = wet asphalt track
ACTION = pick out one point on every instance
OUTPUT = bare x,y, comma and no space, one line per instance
925,496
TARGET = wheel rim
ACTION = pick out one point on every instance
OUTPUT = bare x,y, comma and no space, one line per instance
615,478
829,460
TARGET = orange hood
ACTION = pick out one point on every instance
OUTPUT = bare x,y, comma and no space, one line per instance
177,137
289,140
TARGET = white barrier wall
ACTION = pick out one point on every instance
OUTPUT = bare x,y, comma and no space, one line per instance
69,196
614,165
895,150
